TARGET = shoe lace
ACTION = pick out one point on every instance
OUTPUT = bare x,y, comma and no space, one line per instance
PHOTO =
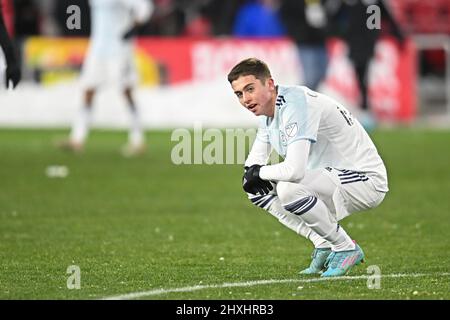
329,259
314,255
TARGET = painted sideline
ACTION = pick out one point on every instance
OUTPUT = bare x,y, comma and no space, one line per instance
156,292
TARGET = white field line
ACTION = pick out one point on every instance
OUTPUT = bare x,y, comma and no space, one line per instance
156,292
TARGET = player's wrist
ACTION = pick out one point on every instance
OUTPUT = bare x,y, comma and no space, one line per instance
263,173
253,172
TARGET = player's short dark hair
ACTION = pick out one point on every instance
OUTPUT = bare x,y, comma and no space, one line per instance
250,66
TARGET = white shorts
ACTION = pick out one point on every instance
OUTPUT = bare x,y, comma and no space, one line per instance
353,194
343,192
98,71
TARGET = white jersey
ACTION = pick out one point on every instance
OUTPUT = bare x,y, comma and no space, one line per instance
111,19
337,139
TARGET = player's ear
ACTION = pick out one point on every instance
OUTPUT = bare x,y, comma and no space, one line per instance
270,83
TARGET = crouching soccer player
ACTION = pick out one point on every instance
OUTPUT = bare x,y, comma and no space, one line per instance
331,167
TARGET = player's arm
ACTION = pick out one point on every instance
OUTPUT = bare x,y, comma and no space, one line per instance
12,66
293,168
141,10
259,153
258,156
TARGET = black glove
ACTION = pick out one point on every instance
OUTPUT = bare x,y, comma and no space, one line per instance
252,183
131,33
12,74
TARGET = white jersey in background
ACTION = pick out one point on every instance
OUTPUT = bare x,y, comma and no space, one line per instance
337,139
111,19
110,58
110,61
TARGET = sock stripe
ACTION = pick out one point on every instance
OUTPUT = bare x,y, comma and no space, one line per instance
301,206
257,200
263,201
267,202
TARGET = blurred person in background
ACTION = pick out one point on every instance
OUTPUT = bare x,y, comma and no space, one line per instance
222,15
28,18
351,23
110,58
307,24
168,19
7,10
49,25
259,18
9,64
198,24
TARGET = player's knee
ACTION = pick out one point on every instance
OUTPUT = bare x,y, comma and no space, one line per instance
294,197
289,192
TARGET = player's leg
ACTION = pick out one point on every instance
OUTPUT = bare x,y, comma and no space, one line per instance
322,248
136,136
81,124
271,203
355,192
366,117
314,60
310,200
92,76
310,206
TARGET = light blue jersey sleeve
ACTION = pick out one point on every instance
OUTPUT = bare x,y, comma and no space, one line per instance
300,120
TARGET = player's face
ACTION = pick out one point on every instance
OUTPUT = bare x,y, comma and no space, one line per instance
254,95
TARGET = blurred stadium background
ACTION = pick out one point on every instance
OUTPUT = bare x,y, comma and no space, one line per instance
167,218
188,47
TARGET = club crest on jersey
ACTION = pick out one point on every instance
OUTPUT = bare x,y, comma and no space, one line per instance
291,129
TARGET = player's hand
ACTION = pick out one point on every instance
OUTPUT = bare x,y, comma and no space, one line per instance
252,183
131,33
12,74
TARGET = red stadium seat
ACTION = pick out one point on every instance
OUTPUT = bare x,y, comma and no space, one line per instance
418,16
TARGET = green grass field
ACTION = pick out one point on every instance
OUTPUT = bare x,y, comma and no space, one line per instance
142,224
